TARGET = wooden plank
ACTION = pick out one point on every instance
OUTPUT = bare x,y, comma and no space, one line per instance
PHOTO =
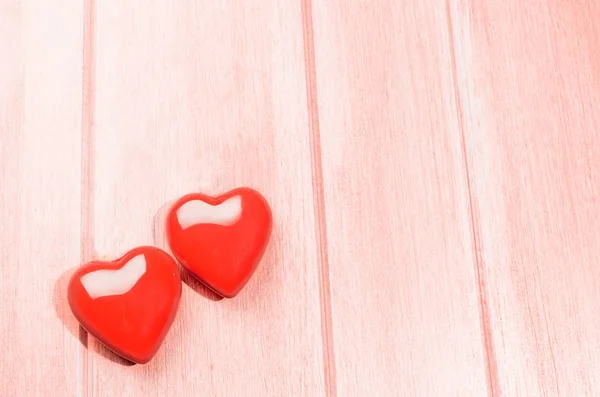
529,78
40,196
404,297
206,97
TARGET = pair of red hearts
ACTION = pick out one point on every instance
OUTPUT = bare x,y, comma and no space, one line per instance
129,304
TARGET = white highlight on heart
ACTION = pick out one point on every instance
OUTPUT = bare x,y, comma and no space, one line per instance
197,211
114,282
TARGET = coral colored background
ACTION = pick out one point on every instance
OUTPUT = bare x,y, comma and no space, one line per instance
433,168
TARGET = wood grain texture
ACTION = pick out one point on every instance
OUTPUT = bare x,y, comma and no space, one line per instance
432,168
529,81
40,196
207,96
405,312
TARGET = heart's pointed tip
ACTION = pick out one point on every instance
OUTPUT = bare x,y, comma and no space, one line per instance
228,296
123,360
142,361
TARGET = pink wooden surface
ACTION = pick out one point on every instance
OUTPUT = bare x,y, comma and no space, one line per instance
40,197
208,98
431,168
403,284
529,82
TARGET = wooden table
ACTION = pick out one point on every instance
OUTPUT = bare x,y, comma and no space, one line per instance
433,168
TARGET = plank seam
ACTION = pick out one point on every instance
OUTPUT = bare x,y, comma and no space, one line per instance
484,311
87,173
318,199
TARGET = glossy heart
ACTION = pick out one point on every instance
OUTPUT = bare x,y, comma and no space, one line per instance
129,304
220,240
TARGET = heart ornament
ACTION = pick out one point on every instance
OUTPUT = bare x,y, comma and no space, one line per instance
220,240
128,304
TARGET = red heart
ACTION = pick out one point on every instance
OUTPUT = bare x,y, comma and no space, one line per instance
128,304
220,240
